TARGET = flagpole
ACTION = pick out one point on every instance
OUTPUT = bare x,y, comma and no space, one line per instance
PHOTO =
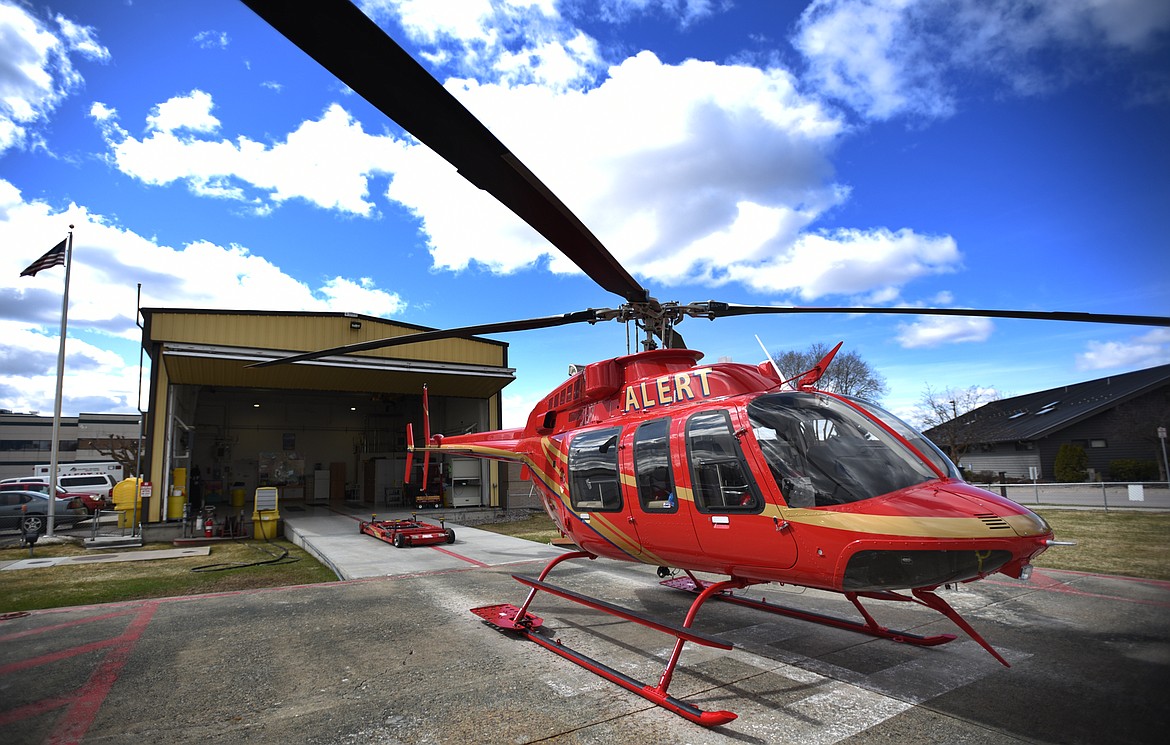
53,462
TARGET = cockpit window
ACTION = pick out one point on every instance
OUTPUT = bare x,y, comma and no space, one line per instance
822,452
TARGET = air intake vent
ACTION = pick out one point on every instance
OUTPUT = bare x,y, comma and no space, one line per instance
994,522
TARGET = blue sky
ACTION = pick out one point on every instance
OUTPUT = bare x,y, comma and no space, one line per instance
966,153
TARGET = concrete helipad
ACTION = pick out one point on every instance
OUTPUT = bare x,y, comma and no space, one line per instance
396,657
332,536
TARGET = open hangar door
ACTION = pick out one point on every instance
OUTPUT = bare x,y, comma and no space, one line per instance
321,447
327,431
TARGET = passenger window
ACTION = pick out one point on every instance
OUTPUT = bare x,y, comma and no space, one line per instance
719,476
652,467
593,471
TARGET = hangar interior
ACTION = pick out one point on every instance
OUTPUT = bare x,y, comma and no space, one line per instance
325,431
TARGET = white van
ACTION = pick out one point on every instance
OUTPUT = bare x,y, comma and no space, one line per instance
98,484
63,469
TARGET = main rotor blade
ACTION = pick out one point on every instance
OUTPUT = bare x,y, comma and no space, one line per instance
581,316
716,309
351,46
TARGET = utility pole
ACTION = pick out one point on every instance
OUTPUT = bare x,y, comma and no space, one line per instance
1165,464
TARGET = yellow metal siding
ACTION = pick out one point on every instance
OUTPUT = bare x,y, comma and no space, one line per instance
307,333
158,414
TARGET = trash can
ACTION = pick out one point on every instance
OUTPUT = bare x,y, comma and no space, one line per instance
175,505
238,494
264,524
265,513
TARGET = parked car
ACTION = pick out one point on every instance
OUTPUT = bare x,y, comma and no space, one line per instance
92,502
99,484
29,510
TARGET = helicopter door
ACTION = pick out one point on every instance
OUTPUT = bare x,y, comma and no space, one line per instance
729,517
665,533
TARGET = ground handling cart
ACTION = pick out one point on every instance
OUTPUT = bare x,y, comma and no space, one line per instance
403,533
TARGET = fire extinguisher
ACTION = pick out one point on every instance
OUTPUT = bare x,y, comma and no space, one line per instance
209,527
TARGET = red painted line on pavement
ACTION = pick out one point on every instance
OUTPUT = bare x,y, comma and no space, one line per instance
35,709
79,717
1043,582
468,559
63,654
1164,584
59,626
82,705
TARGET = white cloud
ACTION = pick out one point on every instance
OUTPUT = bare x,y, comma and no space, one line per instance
696,172
686,11
679,169
36,69
883,58
192,112
326,162
519,41
212,40
109,261
851,262
933,331
861,53
96,379
1147,350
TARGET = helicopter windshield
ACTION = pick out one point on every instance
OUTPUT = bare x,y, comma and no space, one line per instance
823,452
912,436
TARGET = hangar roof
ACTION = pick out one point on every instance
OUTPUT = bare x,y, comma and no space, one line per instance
215,347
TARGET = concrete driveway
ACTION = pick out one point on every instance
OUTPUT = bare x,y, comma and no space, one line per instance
397,658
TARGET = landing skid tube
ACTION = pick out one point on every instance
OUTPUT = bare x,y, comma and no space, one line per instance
520,621
870,627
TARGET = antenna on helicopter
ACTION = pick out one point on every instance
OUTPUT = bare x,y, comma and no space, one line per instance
770,358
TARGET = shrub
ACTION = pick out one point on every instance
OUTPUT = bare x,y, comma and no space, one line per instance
1132,469
1072,464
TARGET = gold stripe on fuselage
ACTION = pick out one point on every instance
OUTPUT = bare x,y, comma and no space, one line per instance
897,525
903,525
598,522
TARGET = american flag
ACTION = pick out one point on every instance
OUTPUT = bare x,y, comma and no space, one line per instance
55,256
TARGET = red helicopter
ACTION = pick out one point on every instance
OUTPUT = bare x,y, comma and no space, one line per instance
725,469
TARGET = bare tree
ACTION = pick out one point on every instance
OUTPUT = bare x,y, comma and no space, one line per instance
848,374
942,412
117,448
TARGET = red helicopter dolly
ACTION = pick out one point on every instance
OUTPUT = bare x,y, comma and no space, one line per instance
653,457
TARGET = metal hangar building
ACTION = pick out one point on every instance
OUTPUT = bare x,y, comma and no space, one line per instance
322,431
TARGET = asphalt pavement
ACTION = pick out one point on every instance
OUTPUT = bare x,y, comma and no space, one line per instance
396,657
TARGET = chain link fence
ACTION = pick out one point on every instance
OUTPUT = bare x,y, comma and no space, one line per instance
1096,495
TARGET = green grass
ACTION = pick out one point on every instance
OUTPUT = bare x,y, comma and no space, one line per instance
59,586
1130,544
1133,544
538,528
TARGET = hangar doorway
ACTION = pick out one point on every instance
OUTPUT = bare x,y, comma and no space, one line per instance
318,447
325,431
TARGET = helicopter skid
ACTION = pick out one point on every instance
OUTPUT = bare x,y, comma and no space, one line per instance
650,693
504,618
870,627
